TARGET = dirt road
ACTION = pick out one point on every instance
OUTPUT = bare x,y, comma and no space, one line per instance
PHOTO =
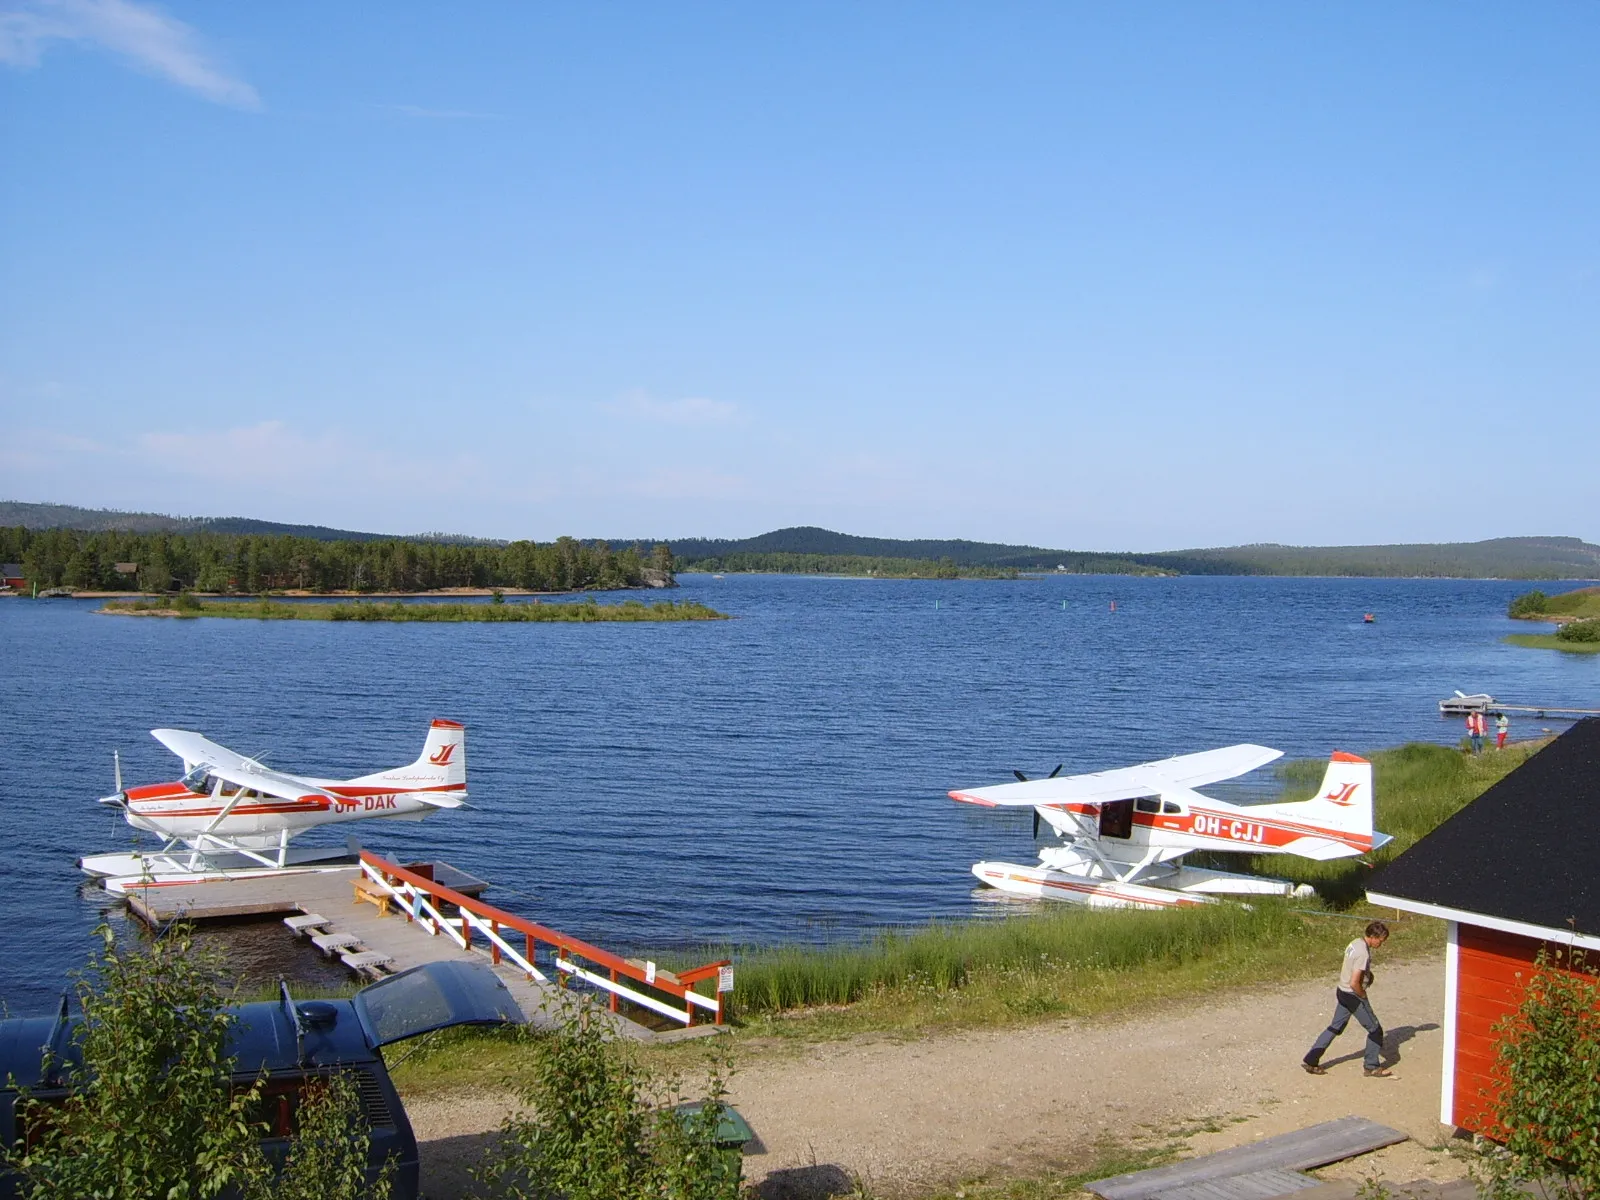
909,1116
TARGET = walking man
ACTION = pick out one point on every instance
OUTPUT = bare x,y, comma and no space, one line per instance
1350,1000
1502,726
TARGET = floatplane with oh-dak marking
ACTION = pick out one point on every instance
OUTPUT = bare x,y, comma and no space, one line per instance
231,817
1126,831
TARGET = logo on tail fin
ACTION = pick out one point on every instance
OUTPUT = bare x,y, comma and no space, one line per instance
441,757
1341,796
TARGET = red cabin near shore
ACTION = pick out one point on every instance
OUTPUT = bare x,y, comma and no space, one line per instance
1512,873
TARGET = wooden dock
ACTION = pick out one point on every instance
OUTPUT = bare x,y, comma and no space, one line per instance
1460,706
1259,1171
383,930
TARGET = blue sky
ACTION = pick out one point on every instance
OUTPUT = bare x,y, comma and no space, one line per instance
1101,276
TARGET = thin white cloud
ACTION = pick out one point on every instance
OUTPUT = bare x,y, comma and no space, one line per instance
691,410
142,35
440,114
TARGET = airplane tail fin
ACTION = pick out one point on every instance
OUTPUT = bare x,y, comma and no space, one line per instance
1341,811
441,767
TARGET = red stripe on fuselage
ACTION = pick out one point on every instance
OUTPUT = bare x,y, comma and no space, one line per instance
1278,832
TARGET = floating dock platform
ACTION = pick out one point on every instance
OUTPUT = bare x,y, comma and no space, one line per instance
381,917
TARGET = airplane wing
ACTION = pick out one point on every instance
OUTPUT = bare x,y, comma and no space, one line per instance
235,768
1178,774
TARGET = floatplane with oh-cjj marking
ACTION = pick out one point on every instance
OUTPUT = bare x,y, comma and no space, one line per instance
1126,831
231,817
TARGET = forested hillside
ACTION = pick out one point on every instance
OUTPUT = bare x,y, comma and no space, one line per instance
222,563
1496,558
807,549
808,540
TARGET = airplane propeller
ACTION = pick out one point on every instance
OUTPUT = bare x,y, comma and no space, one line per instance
118,798
1021,778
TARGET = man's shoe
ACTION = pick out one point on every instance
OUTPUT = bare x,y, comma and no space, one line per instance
1314,1068
1378,1073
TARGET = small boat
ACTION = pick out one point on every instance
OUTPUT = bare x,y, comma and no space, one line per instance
1368,618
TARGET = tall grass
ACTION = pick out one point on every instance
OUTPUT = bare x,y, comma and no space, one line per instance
1581,602
363,610
1054,940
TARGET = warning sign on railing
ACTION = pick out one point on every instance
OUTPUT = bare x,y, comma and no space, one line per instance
724,979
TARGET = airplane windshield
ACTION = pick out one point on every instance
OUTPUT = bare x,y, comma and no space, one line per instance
198,780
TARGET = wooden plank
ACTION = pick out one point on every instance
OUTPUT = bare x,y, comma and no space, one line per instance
1300,1150
1255,1185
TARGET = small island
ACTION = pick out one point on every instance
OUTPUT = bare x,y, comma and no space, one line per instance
1576,615
185,605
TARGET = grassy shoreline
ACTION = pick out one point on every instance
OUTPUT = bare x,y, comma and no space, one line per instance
1059,961
1549,641
313,610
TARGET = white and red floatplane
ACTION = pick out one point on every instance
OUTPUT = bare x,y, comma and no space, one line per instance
1126,831
232,816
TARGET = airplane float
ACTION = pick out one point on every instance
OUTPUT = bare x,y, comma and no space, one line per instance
1126,831
232,816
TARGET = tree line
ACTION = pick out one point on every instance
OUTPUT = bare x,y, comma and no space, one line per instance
247,563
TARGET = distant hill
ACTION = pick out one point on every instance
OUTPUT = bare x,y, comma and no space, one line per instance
1501,558
808,539
102,520
1497,558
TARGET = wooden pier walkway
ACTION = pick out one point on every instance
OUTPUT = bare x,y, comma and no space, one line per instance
385,930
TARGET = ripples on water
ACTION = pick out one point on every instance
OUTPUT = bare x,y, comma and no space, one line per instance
779,777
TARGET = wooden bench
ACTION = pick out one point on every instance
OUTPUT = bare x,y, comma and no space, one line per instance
369,891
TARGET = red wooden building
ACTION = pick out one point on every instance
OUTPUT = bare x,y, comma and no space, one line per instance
1514,872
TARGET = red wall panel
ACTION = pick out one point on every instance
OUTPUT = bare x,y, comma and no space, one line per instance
1492,969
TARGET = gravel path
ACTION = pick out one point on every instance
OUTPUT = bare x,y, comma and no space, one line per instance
909,1116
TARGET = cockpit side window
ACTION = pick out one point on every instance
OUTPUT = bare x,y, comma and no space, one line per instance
1171,807
1147,804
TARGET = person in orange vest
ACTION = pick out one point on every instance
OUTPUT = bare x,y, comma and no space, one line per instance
1475,725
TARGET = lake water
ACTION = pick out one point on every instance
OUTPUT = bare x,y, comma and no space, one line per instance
778,777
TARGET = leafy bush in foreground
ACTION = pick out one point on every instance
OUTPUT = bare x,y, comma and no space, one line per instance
153,1111
597,1125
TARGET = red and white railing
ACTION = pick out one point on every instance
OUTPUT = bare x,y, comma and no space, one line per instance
517,940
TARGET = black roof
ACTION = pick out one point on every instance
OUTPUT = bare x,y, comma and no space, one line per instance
1527,850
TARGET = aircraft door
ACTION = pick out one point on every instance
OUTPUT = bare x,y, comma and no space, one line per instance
1116,819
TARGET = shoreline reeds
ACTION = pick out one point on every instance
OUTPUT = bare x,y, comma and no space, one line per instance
583,610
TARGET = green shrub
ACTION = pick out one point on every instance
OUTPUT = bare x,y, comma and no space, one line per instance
598,1125
1529,604
1579,631
328,1157
153,1110
150,1111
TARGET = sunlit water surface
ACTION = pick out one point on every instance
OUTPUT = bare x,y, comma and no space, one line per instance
777,777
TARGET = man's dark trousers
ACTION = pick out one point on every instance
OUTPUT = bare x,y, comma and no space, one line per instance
1347,1005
